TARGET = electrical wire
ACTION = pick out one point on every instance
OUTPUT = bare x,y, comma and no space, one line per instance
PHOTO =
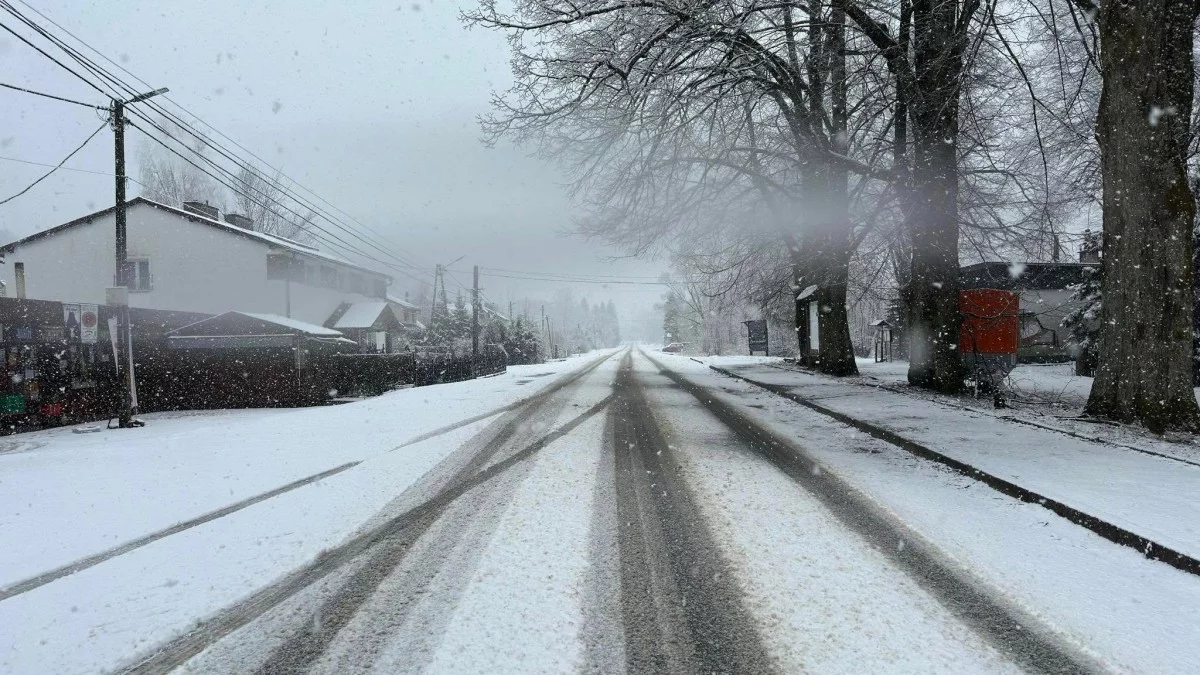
115,84
601,282
190,129
328,238
564,274
43,53
131,179
52,96
57,166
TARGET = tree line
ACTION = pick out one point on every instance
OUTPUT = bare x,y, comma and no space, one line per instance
808,155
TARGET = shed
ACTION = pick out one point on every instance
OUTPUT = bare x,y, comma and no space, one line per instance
241,330
242,359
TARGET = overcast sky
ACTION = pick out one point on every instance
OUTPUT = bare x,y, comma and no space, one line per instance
372,105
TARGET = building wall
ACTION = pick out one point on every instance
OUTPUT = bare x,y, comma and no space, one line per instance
194,267
1051,306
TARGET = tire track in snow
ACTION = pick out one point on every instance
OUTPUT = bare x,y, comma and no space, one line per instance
1021,637
57,573
680,604
93,560
355,608
401,530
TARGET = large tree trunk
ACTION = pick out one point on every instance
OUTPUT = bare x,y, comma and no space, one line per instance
1147,307
837,347
931,212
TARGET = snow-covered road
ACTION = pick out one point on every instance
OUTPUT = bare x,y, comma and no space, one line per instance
639,513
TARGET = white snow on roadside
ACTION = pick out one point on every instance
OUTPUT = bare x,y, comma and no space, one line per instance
97,618
824,599
1133,614
66,496
1151,496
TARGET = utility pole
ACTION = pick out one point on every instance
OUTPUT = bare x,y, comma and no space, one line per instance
128,405
475,310
437,275
510,312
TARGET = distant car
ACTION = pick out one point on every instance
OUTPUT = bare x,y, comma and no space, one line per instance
674,347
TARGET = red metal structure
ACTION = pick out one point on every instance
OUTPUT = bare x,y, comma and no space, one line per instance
990,321
989,338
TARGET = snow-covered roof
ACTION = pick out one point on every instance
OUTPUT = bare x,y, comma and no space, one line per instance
292,324
361,315
272,240
403,303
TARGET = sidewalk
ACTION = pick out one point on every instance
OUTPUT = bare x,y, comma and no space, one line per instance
1154,497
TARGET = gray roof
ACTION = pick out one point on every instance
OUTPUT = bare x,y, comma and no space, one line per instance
269,239
1018,276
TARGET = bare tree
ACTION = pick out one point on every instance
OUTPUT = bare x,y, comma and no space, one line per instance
167,179
264,201
666,112
929,65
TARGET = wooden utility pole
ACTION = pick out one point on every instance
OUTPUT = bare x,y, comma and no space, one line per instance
128,405
125,410
475,310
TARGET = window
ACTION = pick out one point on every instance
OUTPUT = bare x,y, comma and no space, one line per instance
357,284
379,288
284,266
329,277
19,272
137,274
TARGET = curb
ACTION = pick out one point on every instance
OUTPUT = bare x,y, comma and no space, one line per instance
1150,549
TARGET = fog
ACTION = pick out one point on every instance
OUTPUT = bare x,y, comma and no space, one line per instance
373,106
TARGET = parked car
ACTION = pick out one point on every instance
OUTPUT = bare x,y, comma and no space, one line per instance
674,347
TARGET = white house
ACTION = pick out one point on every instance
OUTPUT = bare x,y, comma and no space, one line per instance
190,260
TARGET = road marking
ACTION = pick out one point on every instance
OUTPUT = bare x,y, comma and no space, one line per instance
93,560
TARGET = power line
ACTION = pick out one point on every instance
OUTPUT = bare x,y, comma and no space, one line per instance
330,238
56,98
43,53
56,167
186,126
602,282
114,83
69,168
563,274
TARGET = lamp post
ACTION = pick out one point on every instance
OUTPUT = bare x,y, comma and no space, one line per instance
128,406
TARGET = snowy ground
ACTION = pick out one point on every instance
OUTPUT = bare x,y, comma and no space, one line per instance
1048,394
1132,614
1149,495
627,521
110,487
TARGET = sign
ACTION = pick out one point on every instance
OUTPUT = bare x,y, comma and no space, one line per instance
71,320
89,324
758,336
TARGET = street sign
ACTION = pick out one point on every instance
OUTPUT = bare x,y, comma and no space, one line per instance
758,336
89,323
71,320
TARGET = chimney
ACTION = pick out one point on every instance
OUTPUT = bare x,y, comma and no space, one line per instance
238,220
1089,250
202,209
